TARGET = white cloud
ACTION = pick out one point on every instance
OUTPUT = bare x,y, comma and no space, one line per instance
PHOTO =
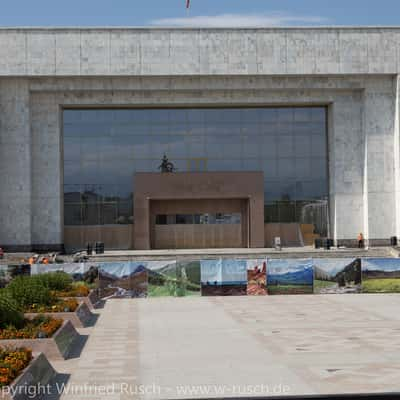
240,20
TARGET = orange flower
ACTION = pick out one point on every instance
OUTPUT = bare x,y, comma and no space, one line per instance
13,362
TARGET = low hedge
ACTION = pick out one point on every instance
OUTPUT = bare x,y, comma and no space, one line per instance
40,294
10,311
26,290
57,281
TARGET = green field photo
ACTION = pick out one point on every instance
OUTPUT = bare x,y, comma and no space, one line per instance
381,275
319,285
290,289
388,285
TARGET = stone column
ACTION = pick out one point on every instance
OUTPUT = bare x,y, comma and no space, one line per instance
397,155
379,160
47,171
345,143
15,165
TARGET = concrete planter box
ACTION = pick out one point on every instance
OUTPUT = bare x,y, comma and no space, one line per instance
91,300
80,318
94,298
39,371
55,348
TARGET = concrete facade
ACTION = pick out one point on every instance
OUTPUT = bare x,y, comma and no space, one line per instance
353,71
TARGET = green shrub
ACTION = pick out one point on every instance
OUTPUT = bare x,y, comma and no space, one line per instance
54,280
10,313
26,290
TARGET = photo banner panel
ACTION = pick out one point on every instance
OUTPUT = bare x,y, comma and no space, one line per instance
9,272
188,278
123,279
380,275
80,272
223,277
290,276
257,277
162,278
337,275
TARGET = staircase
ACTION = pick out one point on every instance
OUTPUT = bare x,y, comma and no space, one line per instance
307,231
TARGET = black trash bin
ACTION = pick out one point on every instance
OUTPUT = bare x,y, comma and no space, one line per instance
327,244
393,241
89,249
318,243
99,248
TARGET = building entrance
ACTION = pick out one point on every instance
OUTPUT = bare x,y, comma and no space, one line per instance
198,210
205,223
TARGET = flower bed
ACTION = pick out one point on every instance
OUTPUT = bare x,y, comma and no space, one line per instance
64,305
92,300
38,327
38,372
12,363
80,318
58,346
75,291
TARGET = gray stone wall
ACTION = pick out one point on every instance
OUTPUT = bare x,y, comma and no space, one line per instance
158,51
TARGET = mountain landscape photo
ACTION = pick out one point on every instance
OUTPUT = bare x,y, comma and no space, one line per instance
123,279
290,276
188,278
335,276
162,278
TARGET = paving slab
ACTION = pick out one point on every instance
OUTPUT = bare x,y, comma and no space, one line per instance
195,347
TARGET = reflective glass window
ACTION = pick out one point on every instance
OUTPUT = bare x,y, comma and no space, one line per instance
103,148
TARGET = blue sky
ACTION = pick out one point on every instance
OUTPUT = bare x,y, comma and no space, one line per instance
202,13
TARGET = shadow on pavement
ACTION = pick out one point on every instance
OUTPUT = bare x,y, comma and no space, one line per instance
55,387
77,347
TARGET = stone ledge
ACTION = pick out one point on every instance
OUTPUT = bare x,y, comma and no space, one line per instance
27,248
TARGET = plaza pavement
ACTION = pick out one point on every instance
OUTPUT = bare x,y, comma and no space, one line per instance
240,346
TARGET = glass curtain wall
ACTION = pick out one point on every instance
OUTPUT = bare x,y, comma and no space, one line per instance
103,148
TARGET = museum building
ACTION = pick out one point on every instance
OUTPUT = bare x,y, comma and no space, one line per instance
163,138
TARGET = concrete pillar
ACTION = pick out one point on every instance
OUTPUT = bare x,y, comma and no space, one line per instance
47,161
345,143
379,160
397,155
15,165
141,223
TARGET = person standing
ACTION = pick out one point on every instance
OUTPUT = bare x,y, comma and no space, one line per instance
360,239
